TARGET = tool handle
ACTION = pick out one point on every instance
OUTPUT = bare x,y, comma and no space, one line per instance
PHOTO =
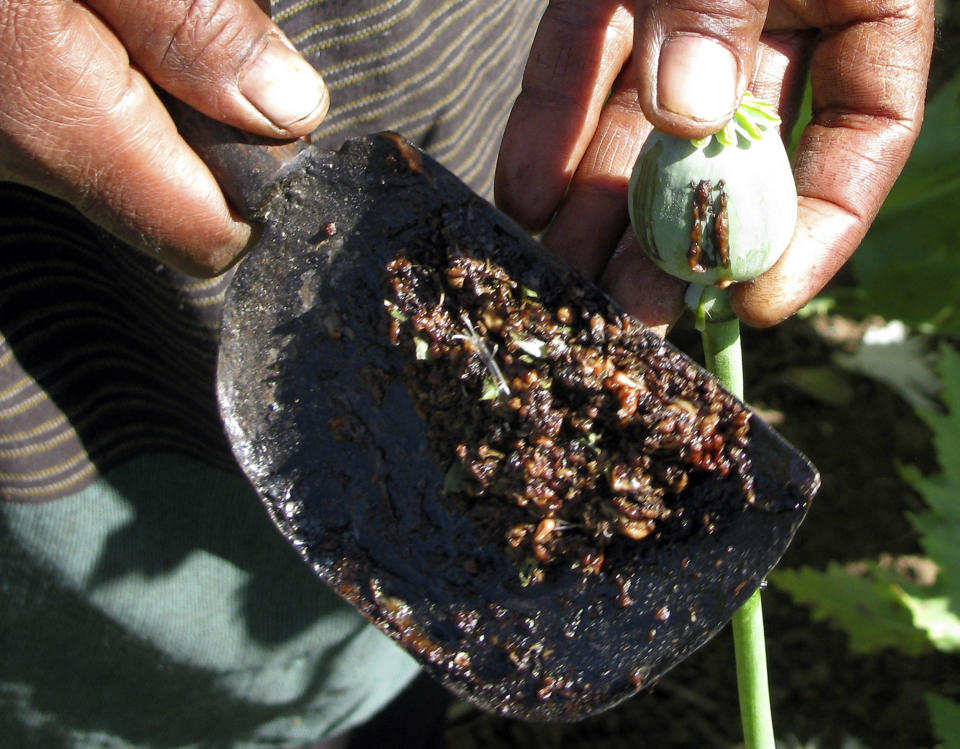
245,165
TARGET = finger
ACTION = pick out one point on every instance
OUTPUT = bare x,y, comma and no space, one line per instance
641,288
78,122
577,54
225,58
825,237
694,59
869,77
781,72
630,276
593,214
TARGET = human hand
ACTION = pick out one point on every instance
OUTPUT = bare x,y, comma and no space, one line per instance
80,119
600,76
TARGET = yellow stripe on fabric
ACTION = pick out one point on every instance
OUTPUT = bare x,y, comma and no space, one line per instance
217,285
448,150
419,123
187,361
352,37
305,4
26,434
160,438
54,489
122,397
143,392
23,406
18,387
191,338
202,292
332,73
462,138
451,67
125,441
105,355
36,448
45,473
93,361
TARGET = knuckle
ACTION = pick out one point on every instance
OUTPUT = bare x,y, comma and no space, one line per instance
722,18
209,33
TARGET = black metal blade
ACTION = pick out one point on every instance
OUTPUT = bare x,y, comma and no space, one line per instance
320,398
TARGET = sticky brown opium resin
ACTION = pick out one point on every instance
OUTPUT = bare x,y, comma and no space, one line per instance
712,214
566,432
701,202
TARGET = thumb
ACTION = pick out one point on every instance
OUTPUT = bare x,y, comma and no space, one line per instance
225,58
694,59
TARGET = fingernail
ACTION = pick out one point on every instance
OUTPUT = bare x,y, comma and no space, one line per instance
283,86
697,78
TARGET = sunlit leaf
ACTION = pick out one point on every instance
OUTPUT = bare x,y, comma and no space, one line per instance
868,607
898,358
932,613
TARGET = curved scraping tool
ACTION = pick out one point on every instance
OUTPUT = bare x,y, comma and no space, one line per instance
333,357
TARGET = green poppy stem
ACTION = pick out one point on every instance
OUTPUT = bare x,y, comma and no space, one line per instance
721,350
721,346
752,688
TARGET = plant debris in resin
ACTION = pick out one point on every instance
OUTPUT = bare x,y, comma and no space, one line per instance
568,433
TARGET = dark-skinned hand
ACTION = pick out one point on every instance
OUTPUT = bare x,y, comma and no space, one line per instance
80,118
602,73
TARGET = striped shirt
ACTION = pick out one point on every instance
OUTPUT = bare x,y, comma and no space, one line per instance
153,604
105,355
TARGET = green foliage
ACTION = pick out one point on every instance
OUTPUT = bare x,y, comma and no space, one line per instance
936,609
886,604
906,268
945,716
912,605
945,426
867,604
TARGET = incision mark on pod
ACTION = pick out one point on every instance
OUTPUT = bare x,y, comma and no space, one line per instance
721,228
712,213
701,203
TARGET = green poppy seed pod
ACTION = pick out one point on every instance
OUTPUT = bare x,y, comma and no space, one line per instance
719,210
